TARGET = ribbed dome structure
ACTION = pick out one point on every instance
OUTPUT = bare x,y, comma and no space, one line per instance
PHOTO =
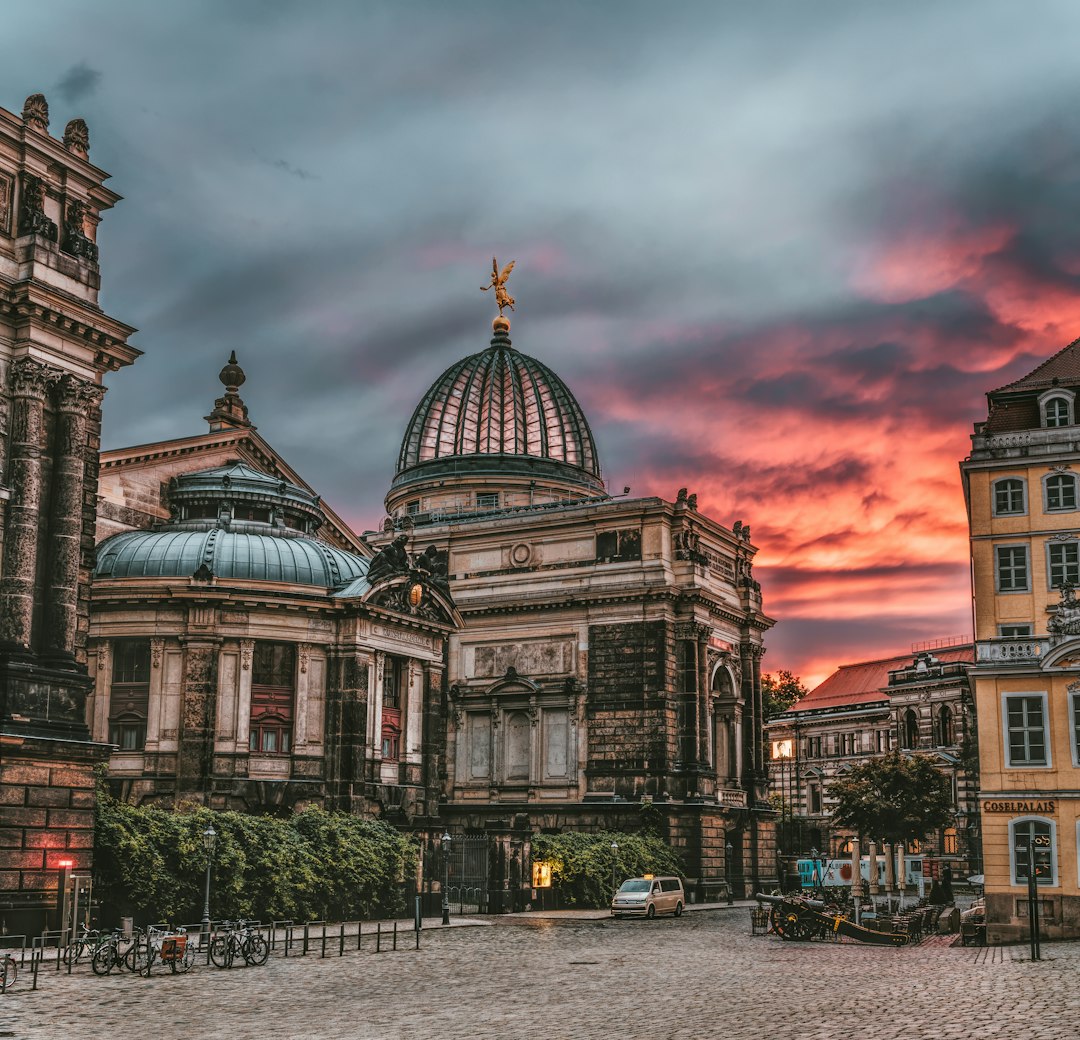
233,522
499,412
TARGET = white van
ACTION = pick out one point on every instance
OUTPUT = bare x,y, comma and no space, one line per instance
648,896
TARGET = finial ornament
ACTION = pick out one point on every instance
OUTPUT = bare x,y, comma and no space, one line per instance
35,112
498,283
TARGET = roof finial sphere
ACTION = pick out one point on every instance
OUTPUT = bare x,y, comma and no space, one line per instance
232,375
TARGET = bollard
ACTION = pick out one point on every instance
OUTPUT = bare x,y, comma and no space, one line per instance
378,936
359,932
418,938
341,941
395,935
34,965
305,939
323,954
288,938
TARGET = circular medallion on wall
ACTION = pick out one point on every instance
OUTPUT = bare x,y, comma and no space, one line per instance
520,554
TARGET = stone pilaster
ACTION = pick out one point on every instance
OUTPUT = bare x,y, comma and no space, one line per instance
30,383
76,398
198,712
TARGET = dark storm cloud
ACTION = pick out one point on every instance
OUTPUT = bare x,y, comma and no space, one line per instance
80,81
747,234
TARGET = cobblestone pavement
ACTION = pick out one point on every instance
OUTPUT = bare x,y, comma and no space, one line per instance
699,978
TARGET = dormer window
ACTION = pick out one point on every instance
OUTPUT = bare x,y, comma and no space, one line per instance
1056,407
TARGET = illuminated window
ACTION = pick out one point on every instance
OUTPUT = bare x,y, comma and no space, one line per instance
1032,836
1009,497
273,680
1061,492
950,844
129,693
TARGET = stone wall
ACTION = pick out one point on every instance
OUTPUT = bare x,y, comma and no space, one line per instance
47,798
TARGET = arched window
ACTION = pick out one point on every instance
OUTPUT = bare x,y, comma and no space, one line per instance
1009,497
911,729
945,726
1056,412
1032,840
1061,491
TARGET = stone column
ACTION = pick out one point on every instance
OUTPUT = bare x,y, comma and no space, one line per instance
75,400
243,696
30,381
873,878
98,723
155,696
197,715
703,633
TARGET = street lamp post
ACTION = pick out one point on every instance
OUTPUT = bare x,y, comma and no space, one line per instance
209,837
446,877
728,850
614,866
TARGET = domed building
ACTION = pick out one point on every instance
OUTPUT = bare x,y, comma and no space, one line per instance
241,636
497,430
610,647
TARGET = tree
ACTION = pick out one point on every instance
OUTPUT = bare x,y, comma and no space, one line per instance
892,798
781,691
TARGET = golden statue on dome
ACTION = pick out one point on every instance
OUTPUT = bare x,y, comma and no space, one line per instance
498,283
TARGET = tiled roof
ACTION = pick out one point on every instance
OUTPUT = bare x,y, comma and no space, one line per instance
1022,414
863,683
1064,366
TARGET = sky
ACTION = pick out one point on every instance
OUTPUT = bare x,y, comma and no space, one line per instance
779,251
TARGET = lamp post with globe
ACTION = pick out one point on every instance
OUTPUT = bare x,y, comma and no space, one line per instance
209,837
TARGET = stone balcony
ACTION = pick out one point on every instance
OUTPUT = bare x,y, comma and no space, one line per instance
1011,651
1024,443
733,799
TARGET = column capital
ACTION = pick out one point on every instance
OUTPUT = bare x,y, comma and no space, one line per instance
30,378
77,394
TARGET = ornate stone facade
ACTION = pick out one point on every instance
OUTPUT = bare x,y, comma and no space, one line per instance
55,347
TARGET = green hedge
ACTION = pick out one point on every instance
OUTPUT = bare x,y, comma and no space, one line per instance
582,864
316,865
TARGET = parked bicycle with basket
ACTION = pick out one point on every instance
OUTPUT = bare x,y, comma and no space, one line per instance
238,940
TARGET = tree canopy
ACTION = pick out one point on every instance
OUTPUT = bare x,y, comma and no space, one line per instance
781,691
892,798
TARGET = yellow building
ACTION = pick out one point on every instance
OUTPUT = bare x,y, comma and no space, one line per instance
1023,502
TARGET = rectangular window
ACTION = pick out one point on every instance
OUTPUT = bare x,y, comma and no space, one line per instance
1061,492
487,500
129,694
1014,631
1012,568
813,793
395,678
619,545
950,844
1026,722
1076,727
1008,497
1064,558
413,507
273,682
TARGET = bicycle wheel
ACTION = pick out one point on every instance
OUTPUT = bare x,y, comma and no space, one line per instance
256,949
221,951
184,963
104,958
137,956
8,973
73,951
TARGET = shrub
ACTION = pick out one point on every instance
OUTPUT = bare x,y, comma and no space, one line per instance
150,864
582,865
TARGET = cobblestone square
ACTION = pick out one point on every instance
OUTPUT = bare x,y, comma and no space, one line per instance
701,976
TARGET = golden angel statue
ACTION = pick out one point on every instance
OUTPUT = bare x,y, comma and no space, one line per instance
498,283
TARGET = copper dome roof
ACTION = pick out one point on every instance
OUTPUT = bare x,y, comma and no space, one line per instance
500,402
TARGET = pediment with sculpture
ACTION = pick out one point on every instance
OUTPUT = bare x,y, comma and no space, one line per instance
412,583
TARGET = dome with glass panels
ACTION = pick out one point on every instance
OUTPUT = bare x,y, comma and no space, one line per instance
496,430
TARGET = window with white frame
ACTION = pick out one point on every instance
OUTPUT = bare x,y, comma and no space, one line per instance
1009,497
1025,730
1056,412
1060,492
1012,568
1032,845
1063,563
1074,707
1014,631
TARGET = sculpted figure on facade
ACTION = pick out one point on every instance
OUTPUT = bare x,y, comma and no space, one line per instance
35,112
32,218
77,137
1066,619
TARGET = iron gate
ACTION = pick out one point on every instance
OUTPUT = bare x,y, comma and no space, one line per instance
470,860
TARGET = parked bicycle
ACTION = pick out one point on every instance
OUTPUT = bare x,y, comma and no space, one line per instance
238,939
9,972
110,952
83,945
